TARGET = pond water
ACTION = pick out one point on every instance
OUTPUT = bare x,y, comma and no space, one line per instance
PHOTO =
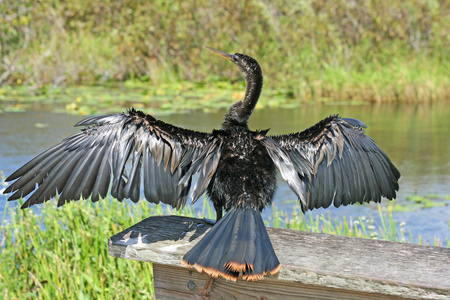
415,137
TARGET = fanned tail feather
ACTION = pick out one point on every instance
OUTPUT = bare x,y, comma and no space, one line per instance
238,243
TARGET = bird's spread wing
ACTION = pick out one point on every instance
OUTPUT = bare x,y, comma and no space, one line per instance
347,165
81,165
292,167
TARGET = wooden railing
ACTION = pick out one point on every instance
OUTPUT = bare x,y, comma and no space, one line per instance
313,265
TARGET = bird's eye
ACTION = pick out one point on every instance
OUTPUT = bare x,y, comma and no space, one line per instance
234,58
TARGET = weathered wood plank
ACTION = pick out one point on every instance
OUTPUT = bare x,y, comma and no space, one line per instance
175,282
320,261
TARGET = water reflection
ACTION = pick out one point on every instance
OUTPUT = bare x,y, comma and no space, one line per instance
416,138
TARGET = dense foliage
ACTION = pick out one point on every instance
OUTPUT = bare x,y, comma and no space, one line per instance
365,50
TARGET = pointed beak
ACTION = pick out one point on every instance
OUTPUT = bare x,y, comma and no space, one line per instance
220,53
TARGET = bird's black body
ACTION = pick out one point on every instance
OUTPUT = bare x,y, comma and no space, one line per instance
331,162
245,176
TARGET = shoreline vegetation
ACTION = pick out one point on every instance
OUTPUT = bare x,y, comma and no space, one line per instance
318,51
62,253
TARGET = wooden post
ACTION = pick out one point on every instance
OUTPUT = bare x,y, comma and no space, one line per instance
313,265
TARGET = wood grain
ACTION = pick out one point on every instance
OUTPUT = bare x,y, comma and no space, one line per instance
318,264
180,283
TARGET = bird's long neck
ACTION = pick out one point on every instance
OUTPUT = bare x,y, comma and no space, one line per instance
240,111
253,87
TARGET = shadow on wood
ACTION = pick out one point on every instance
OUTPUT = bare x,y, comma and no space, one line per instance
313,265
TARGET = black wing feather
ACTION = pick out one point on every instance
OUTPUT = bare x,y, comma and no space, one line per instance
346,165
206,166
81,165
290,172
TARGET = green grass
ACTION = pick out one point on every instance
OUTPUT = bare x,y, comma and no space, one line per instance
69,259
320,51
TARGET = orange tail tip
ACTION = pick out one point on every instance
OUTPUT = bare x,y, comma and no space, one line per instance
238,267
276,270
216,273
253,277
237,244
210,271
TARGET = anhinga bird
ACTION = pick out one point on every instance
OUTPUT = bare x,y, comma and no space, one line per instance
331,162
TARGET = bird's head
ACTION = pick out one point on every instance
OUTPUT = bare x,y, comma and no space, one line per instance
248,65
